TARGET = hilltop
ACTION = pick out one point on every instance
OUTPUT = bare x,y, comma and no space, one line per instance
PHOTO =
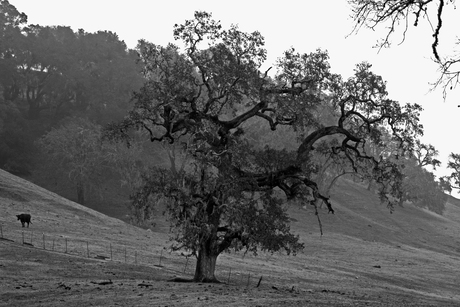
366,257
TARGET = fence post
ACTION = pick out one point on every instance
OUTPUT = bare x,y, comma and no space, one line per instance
110,250
125,254
249,277
161,255
1,231
186,263
229,273
66,245
44,241
87,249
260,280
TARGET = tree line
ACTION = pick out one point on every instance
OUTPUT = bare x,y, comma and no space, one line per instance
57,84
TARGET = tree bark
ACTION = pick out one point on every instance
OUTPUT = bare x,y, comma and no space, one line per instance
206,264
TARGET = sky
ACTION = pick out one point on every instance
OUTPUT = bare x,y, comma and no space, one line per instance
303,24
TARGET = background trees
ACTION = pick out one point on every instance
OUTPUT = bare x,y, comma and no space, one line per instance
422,189
453,180
438,16
57,71
75,152
50,74
16,150
208,93
420,186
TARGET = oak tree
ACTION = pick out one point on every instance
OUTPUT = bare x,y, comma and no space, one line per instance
231,193
420,186
75,152
453,179
425,155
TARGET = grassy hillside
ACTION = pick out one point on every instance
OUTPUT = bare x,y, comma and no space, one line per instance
366,257
360,214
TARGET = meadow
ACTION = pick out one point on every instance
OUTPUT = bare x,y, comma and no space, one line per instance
366,256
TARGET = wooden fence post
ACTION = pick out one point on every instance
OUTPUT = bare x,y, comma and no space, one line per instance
66,245
161,255
229,273
87,249
260,280
186,263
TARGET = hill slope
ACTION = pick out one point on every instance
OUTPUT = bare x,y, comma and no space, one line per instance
360,214
366,257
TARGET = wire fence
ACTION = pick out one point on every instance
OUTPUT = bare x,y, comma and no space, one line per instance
107,251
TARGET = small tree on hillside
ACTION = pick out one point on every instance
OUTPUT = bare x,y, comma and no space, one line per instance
421,188
76,151
453,180
444,184
425,155
231,194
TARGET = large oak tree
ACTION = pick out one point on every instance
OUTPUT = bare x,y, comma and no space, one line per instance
231,193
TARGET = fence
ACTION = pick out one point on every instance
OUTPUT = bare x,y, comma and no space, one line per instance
125,254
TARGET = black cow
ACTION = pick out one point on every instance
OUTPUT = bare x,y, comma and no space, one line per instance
24,218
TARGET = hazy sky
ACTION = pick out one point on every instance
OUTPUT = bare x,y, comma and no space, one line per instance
304,25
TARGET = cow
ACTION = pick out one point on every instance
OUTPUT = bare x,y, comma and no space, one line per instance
24,218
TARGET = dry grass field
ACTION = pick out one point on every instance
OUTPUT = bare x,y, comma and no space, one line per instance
366,257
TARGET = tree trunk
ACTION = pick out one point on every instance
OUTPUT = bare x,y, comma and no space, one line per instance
370,187
355,178
80,194
206,264
334,180
33,112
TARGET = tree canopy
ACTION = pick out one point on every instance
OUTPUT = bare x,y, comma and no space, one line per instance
75,150
453,180
232,191
51,72
399,15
